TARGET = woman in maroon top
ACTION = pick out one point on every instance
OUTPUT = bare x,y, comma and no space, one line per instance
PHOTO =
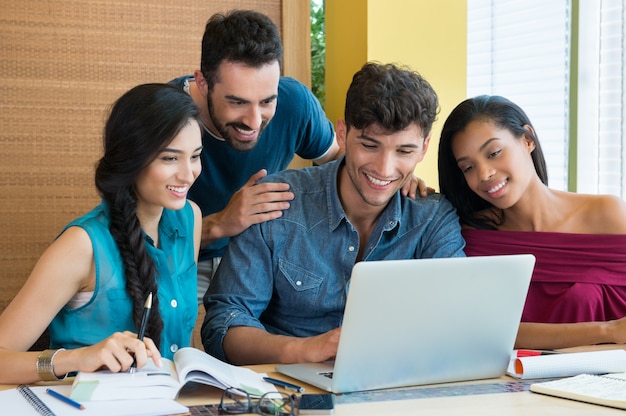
492,169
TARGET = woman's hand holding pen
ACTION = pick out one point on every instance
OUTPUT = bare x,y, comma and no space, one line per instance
115,353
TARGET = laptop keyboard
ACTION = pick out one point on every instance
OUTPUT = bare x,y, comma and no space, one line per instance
427,392
403,394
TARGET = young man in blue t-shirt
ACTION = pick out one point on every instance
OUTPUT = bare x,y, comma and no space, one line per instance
255,120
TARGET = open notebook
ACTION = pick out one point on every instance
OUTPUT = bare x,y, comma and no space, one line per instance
413,322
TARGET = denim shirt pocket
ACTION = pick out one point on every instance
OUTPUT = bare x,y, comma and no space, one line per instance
305,285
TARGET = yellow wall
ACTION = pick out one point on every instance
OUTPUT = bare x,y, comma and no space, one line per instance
427,35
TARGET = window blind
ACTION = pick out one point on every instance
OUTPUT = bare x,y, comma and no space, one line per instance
602,98
520,49
611,105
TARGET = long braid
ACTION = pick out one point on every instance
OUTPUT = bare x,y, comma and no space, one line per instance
138,265
142,122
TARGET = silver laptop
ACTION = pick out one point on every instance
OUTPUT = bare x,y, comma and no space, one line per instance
414,322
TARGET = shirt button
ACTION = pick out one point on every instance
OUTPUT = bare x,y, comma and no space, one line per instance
298,283
351,248
173,348
174,303
392,223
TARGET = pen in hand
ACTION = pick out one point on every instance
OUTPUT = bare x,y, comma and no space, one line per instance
142,329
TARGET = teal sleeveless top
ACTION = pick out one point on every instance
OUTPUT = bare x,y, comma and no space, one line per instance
110,308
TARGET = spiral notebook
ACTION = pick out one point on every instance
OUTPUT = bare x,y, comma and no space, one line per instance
37,404
34,401
606,390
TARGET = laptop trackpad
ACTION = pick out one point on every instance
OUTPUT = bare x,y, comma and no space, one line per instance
316,374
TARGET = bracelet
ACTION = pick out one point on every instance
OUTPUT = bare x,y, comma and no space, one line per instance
45,365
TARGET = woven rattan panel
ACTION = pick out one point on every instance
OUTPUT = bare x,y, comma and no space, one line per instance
62,64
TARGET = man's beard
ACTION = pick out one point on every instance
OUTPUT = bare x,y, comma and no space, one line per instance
222,130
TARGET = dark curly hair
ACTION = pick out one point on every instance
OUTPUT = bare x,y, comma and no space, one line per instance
243,36
392,97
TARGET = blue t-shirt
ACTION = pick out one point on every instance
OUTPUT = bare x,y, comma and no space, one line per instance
299,126
289,276
110,308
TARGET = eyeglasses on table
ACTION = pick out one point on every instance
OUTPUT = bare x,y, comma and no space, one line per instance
237,401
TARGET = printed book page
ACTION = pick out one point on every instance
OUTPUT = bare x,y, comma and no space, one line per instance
150,381
196,365
568,364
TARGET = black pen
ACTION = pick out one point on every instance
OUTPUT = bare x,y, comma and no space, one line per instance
142,329
284,384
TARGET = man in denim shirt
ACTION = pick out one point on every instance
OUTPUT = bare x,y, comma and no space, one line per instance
280,291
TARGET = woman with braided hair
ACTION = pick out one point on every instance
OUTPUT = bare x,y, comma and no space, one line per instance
90,285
